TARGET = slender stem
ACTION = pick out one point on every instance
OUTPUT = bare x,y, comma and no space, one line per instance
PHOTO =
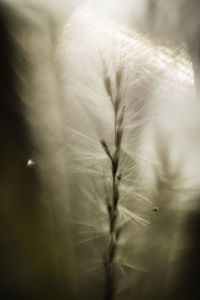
113,213
112,203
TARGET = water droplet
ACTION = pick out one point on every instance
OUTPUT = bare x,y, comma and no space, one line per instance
30,163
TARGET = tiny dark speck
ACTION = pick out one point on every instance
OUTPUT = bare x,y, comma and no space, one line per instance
119,177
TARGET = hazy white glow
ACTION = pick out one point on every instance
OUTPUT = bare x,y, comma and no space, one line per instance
161,75
102,28
125,11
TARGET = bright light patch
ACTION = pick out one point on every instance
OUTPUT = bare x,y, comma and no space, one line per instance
104,29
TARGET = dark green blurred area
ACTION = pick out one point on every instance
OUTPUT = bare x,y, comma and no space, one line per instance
31,250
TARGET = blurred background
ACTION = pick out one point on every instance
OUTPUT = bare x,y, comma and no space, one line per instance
38,252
